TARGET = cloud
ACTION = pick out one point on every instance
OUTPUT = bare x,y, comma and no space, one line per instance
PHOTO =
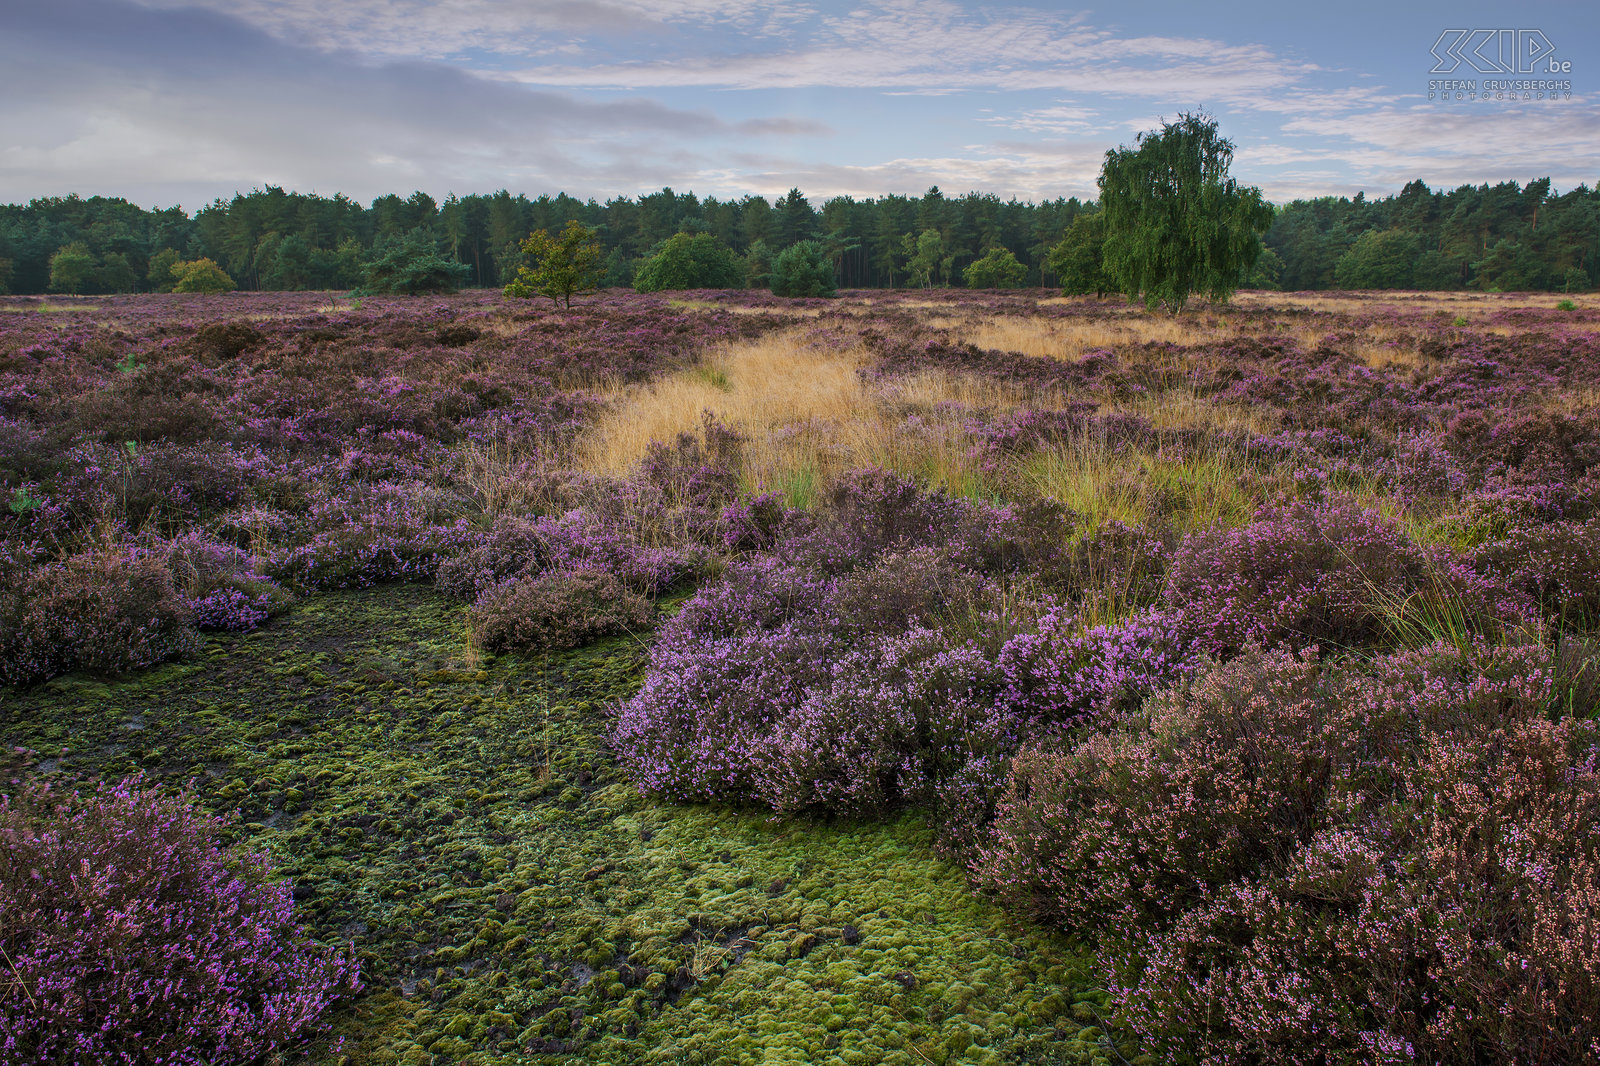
439,28
125,100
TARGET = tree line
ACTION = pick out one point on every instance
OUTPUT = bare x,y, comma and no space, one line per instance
1506,237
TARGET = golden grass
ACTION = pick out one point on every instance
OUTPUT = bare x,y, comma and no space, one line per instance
1053,338
807,415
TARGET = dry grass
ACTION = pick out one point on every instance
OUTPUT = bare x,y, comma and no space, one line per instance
1105,481
1053,338
807,415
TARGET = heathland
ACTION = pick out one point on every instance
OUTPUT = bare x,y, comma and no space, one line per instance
907,677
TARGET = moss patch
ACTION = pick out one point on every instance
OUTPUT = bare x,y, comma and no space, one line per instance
513,899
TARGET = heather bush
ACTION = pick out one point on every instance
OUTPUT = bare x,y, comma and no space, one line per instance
867,513
109,611
131,936
1328,572
512,546
1389,864
221,585
1552,563
903,589
557,609
891,719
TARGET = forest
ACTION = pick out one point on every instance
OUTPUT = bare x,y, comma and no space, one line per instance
1505,237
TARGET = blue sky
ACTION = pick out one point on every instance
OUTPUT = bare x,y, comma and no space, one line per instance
182,101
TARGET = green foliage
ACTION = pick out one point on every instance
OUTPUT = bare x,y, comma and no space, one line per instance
1575,280
1566,305
1266,272
159,276
411,265
561,267
1380,259
925,256
201,275
758,265
1079,260
1508,266
71,268
1176,222
802,270
999,269
690,261
7,270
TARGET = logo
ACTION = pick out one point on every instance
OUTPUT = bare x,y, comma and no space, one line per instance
1497,52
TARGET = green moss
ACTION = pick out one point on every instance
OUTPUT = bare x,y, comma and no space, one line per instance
513,898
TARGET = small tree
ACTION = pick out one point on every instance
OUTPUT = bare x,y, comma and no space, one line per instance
802,270
1379,259
999,269
160,273
1176,222
924,256
411,265
690,261
1079,260
201,275
71,267
562,267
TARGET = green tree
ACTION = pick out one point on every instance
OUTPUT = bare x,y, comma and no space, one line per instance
758,266
8,269
1176,222
561,267
690,261
201,275
71,267
411,265
1380,259
1079,260
1509,266
802,270
116,274
1574,281
999,269
1266,273
159,276
924,256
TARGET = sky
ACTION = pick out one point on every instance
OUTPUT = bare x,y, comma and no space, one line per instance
180,102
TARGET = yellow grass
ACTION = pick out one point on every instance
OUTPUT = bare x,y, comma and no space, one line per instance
807,415
1064,339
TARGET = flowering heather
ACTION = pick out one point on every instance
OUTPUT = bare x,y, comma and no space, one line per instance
1391,864
103,611
557,609
131,938
1333,572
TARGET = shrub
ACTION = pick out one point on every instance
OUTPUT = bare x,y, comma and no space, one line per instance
921,586
106,611
1395,864
557,609
1334,572
802,270
999,269
690,261
130,936
222,589
201,275
511,547
1552,563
